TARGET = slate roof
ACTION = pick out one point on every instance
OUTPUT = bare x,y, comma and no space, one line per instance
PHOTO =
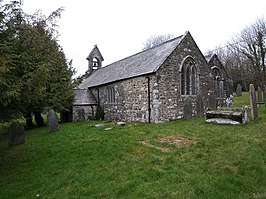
142,63
83,97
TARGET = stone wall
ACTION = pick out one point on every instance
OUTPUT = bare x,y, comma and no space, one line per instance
81,113
131,100
227,82
167,101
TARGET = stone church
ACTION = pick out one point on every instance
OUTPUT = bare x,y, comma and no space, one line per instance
151,86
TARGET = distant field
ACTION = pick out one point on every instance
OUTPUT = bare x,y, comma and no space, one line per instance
179,159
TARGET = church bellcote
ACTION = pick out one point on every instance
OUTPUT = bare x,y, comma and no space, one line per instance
95,59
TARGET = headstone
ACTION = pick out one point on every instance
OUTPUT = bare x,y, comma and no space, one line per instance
16,134
239,90
81,115
259,93
199,106
212,101
245,115
253,102
187,108
52,120
264,94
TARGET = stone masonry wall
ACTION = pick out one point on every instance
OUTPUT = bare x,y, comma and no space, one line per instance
131,100
167,101
89,111
228,84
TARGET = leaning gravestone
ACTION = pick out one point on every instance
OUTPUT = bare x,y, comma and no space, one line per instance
199,106
16,134
52,120
239,90
187,108
253,102
212,101
259,93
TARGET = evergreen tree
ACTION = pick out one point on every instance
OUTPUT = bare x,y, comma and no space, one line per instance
34,73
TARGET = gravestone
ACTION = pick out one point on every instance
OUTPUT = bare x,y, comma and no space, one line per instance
253,102
52,121
264,94
16,134
212,101
187,108
259,93
81,115
199,106
239,90
245,115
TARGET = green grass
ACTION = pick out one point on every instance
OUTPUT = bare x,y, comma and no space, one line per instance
82,161
242,100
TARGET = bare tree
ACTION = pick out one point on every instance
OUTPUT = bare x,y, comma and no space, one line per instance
250,45
244,56
156,40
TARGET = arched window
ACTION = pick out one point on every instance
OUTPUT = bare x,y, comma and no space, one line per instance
188,81
188,77
217,81
183,81
193,81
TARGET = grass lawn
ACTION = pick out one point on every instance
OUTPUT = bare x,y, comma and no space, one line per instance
179,159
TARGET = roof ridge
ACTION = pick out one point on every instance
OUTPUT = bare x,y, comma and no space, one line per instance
144,62
168,41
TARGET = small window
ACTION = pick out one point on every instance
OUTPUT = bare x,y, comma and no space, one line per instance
110,94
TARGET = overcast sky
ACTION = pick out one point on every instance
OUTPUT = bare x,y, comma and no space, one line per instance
120,27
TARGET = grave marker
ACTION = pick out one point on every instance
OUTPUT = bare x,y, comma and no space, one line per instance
239,90
187,108
16,134
199,106
259,93
52,120
253,102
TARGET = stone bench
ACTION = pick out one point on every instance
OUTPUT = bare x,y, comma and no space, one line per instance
227,116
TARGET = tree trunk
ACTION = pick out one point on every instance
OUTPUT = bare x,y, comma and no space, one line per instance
29,123
38,119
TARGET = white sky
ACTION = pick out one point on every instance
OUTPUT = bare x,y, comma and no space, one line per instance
119,27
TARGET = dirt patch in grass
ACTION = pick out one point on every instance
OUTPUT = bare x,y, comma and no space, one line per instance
175,140
165,143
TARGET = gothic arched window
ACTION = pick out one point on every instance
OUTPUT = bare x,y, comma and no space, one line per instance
188,81
218,84
183,81
188,77
193,81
